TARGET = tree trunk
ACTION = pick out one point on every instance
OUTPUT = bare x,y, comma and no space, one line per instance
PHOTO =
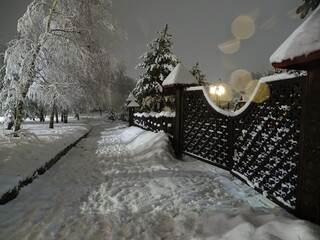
42,116
24,91
18,120
65,117
57,117
31,74
53,107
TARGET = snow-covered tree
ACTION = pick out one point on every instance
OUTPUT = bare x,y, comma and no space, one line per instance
14,58
62,56
158,62
196,72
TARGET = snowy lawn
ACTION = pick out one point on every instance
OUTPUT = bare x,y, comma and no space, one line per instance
124,183
37,144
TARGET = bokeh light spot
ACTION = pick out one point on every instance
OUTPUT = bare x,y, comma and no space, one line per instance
249,89
243,27
230,47
239,79
269,23
292,14
262,94
228,63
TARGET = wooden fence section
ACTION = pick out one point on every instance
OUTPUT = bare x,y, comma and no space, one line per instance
206,133
266,142
273,146
155,122
260,146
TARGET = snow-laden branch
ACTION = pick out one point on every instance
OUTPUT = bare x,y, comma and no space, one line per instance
67,31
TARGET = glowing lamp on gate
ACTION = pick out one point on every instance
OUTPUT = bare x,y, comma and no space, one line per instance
218,90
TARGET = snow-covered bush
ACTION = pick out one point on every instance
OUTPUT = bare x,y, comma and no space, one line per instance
8,121
123,114
110,115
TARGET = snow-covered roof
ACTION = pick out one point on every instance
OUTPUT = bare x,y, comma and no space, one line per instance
277,77
130,98
180,76
133,104
303,45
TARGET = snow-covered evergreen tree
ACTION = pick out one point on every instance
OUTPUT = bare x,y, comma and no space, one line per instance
196,72
158,62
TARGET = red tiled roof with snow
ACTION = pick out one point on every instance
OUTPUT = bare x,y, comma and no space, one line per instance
301,47
180,77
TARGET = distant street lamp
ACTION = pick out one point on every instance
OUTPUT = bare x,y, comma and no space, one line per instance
217,90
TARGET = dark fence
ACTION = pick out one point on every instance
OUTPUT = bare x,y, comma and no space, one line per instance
206,131
155,122
260,146
273,146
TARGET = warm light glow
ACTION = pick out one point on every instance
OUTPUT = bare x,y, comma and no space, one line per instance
218,90
262,94
230,47
239,79
269,23
243,27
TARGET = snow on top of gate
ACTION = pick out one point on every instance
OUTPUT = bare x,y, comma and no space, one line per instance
155,114
277,77
303,41
205,90
180,76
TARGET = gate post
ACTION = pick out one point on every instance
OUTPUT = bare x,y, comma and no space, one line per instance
179,79
308,198
298,52
178,123
130,116
132,105
308,187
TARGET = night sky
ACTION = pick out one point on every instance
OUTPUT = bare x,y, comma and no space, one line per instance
201,31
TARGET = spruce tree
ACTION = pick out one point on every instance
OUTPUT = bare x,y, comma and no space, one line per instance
196,72
158,62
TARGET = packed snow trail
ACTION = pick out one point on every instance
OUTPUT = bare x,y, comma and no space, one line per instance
123,183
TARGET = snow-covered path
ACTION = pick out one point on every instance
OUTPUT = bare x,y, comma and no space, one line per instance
123,183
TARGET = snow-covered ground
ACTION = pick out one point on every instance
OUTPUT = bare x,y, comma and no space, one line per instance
37,144
124,183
